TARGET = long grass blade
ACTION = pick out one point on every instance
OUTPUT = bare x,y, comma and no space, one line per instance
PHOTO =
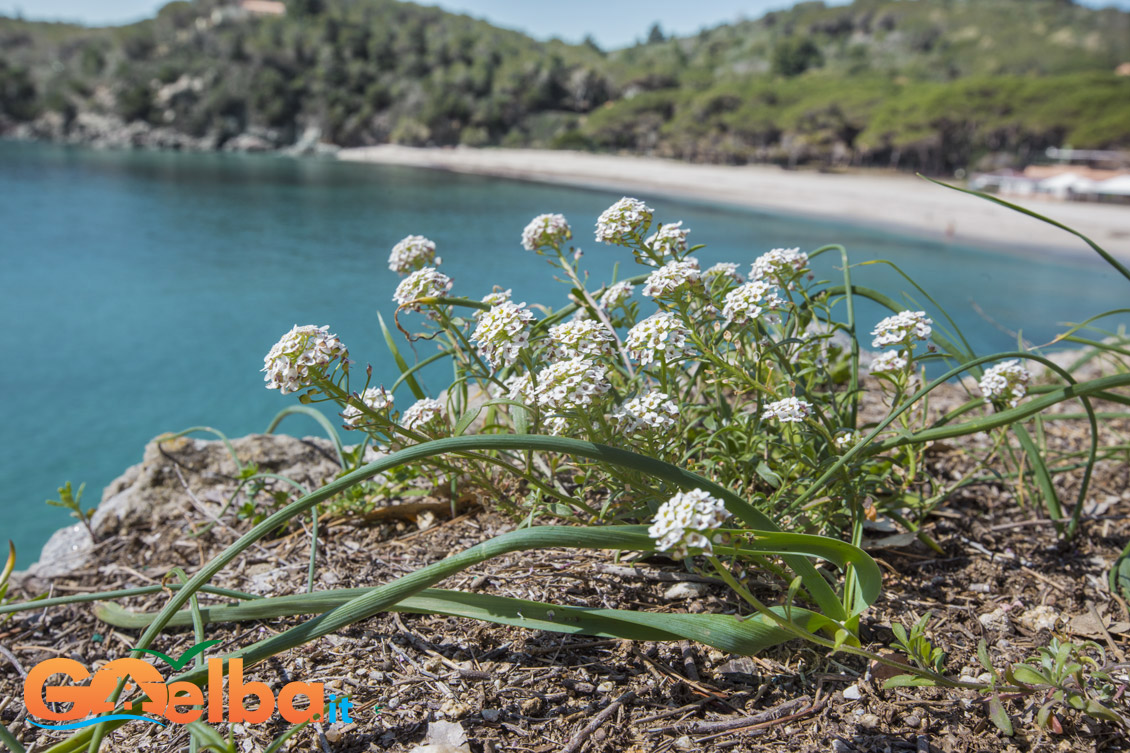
317,415
1017,208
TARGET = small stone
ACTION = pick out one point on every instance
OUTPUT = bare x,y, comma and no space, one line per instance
531,705
606,687
683,590
1039,618
839,746
980,588
491,715
995,620
912,721
869,721
852,693
333,733
454,709
685,743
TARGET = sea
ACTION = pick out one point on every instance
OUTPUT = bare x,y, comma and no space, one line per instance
139,290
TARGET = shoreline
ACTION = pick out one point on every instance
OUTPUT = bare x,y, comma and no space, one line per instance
904,204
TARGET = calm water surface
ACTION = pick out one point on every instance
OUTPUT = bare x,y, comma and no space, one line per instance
140,291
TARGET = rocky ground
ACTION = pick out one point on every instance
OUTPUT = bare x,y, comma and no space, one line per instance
1004,577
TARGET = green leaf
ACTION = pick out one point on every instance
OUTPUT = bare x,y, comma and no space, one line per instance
908,681
1000,716
768,475
1029,675
983,655
209,738
279,741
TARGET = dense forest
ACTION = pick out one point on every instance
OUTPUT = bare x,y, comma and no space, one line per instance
922,84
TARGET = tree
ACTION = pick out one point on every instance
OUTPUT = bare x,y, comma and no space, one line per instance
655,35
794,55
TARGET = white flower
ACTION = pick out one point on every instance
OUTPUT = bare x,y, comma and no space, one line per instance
685,522
571,384
622,220
789,410
546,231
780,266
376,399
580,338
1006,382
301,355
671,239
901,328
660,334
616,295
497,297
493,299
411,254
424,283
723,270
846,439
503,332
651,413
672,277
890,362
422,415
747,301
518,387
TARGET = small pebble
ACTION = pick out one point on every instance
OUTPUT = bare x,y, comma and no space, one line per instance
491,715
869,721
839,746
685,743
606,687
683,591
852,693
912,721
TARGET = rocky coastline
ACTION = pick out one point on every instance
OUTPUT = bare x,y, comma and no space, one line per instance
103,131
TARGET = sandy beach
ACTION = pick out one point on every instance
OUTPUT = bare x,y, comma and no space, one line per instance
903,203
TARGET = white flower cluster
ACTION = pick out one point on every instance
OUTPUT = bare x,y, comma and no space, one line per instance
519,387
616,295
424,283
497,297
780,266
845,439
891,362
900,328
747,301
790,410
503,332
580,338
412,253
685,522
1006,382
376,399
300,355
546,231
622,220
723,269
567,386
651,413
672,277
671,239
422,415
662,335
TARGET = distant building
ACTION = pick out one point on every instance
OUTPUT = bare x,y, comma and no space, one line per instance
1061,182
263,7
1122,70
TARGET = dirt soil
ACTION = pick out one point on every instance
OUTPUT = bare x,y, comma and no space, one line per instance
1004,577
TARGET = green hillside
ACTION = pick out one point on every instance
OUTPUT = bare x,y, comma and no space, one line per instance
923,84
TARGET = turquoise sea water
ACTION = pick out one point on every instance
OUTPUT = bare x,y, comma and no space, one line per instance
140,291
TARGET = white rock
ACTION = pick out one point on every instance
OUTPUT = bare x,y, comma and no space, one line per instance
852,693
1042,617
683,590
